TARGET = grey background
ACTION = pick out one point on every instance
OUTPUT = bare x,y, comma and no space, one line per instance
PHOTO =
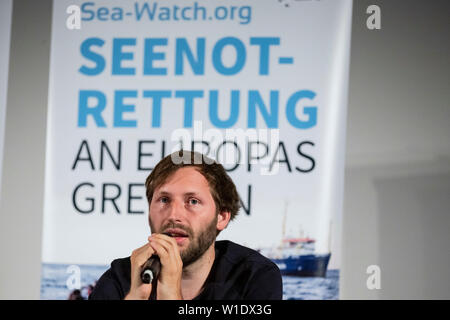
397,177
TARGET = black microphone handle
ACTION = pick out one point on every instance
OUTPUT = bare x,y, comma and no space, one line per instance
151,269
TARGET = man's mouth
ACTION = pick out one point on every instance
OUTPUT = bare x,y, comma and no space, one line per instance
179,234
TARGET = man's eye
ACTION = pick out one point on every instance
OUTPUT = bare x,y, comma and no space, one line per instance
193,201
164,200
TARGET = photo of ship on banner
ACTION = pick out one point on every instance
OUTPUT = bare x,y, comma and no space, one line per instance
259,87
296,256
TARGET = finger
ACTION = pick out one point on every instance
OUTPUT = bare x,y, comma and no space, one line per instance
168,250
160,247
167,239
141,255
170,245
144,251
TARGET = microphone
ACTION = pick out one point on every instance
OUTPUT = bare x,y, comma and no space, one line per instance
151,269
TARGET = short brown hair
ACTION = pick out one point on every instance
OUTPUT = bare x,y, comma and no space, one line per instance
222,188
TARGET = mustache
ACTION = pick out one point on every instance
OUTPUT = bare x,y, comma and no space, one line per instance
172,225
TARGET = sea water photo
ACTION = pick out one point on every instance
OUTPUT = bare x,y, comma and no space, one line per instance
59,281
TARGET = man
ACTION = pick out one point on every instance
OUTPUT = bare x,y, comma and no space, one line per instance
191,200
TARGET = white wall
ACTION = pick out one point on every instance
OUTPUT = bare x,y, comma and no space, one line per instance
5,33
397,205
22,184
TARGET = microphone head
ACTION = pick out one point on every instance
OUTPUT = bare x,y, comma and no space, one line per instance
147,276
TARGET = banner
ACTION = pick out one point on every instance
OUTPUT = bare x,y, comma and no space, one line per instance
260,86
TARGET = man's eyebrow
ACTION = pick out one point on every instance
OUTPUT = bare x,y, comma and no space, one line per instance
163,193
192,193
186,194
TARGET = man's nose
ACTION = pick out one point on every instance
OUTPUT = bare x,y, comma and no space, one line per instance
176,211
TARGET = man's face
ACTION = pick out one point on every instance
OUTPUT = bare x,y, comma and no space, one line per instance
184,207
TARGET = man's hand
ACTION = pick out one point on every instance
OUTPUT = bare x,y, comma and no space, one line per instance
169,280
138,289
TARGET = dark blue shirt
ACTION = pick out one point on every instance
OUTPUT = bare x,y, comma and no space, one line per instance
238,273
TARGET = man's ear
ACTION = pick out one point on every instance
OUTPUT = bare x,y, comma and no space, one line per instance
222,220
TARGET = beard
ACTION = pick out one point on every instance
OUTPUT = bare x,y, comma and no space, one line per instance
198,244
